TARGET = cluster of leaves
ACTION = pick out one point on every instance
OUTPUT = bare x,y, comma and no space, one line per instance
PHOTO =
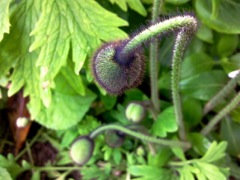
45,49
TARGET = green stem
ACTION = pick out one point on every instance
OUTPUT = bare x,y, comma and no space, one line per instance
29,153
29,145
221,114
172,24
64,168
180,45
221,94
153,56
141,136
180,163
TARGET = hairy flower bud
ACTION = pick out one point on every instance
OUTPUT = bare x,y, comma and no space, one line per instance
116,72
81,150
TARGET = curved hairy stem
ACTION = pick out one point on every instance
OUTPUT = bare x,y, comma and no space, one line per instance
141,136
180,45
221,114
176,23
221,94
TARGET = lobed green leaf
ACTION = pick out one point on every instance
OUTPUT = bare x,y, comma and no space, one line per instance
215,152
165,123
136,5
67,107
4,17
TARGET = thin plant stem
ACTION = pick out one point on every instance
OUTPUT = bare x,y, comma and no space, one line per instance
172,24
216,119
153,57
221,94
29,153
180,45
180,163
63,168
171,143
30,144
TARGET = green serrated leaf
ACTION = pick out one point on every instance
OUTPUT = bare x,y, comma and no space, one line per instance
74,80
67,107
4,174
94,172
64,22
136,5
121,3
14,53
212,172
165,123
4,17
185,173
149,172
215,152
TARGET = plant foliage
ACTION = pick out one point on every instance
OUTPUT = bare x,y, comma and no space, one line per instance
45,51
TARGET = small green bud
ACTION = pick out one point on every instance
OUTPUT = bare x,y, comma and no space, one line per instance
140,151
114,138
135,112
81,150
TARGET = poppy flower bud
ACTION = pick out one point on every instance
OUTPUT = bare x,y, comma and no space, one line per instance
116,72
81,150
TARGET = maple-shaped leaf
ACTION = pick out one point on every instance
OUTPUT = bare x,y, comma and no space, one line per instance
50,36
4,17
136,5
81,24
165,123
14,52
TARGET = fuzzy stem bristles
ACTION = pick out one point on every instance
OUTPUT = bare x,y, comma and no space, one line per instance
180,45
221,94
173,24
171,143
221,115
